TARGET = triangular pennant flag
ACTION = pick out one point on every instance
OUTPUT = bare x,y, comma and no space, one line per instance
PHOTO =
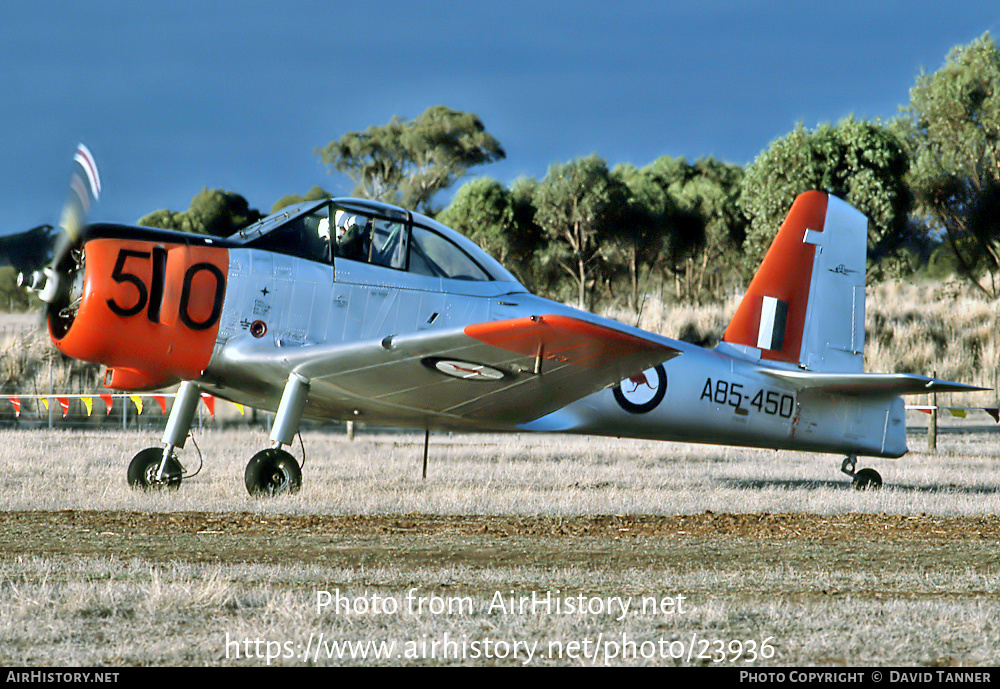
162,401
108,401
955,411
137,401
210,403
994,412
16,401
239,407
88,402
64,403
45,401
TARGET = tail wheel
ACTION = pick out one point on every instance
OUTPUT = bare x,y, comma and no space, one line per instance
272,472
144,470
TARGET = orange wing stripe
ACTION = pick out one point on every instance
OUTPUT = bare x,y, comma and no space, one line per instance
562,339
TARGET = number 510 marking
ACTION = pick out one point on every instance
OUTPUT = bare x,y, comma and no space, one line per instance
153,296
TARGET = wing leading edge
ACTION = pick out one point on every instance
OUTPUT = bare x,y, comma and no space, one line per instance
498,373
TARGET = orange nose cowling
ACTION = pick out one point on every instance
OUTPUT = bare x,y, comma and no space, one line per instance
149,311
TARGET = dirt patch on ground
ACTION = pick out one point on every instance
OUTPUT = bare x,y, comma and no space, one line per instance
633,540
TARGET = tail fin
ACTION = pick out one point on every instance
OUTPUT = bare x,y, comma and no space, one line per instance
806,304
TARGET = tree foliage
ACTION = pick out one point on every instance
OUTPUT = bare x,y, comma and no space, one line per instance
706,228
863,163
492,216
408,161
580,206
952,131
646,219
586,233
314,194
212,211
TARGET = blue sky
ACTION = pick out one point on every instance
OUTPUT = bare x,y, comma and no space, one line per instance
175,96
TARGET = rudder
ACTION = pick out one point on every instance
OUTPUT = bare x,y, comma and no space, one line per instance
806,304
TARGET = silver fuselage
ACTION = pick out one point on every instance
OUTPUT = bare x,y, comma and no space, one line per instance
706,396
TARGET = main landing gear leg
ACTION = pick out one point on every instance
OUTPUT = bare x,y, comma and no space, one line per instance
274,470
157,467
864,479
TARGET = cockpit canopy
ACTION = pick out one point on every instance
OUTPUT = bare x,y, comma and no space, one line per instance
375,233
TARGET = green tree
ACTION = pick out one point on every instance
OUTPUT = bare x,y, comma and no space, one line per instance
580,207
212,211
706,227
863,163
649,217
487,213
952,131
314,194
528,236
482,211
409,161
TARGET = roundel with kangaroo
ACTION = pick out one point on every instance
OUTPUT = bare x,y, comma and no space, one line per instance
642,392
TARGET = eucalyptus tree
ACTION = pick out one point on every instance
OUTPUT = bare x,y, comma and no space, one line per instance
407,162
864,163
212,211
580,208
951,128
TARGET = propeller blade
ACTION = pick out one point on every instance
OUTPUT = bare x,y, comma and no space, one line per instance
84,191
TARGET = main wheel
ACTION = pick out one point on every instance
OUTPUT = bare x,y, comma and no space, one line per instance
867,479
144,469
271,472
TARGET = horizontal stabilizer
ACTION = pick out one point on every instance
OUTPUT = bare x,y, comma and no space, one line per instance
869,384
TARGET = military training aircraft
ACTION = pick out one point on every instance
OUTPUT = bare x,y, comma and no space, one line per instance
347,309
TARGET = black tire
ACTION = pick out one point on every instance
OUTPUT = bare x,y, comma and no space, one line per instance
272,472
143,469
867,479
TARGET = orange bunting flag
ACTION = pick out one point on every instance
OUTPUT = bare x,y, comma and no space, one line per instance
108,401
210,403
162,401
16,401
137,401
64,403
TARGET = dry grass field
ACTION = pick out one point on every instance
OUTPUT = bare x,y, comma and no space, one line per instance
516,550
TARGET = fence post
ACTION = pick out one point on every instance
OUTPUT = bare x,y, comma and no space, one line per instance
932,425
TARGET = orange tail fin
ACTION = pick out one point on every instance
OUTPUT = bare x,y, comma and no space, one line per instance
806,304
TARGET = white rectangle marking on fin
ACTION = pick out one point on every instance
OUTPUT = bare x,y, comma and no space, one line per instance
773,317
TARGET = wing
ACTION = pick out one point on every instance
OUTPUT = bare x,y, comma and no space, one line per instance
497,373
862,384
